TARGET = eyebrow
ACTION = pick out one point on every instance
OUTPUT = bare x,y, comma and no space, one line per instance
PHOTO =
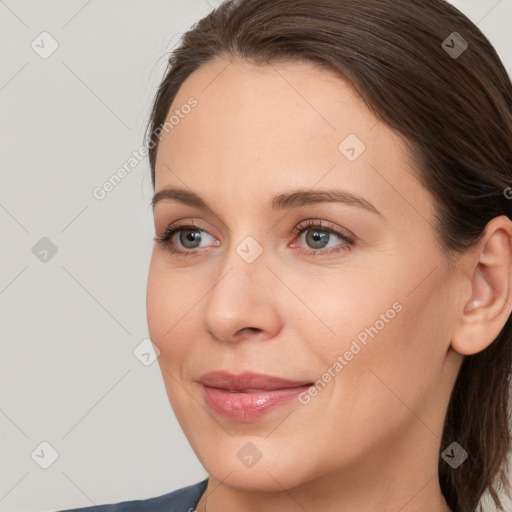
288,200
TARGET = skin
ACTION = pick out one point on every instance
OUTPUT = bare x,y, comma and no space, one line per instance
369,441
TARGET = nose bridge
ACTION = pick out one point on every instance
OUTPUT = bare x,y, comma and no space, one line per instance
246,240
239,298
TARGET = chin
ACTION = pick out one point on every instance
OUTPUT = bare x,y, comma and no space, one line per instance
252,463
270,477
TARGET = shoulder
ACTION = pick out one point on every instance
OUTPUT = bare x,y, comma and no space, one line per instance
180,500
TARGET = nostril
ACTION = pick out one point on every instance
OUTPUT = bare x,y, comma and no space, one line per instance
241,332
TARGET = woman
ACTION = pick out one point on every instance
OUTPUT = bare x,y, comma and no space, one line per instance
331,283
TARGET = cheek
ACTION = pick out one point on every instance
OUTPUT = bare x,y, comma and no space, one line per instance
172,303
166,310
344,311
165,304
404,361
157,299
391,341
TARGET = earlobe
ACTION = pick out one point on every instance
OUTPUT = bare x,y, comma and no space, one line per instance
486,311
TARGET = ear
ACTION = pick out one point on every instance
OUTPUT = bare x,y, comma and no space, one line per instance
489,305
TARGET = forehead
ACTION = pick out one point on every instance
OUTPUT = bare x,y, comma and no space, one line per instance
276,108
286,124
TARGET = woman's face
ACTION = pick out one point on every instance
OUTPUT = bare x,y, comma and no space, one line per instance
364,316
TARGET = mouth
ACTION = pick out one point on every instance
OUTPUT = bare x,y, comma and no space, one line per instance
248,396
248,381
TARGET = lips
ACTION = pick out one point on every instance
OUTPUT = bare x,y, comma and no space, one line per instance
248,396
248,382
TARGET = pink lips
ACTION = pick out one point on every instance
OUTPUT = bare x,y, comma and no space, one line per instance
247,396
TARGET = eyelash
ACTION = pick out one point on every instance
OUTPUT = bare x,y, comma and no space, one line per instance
170,231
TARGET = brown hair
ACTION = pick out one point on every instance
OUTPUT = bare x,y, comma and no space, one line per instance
454,110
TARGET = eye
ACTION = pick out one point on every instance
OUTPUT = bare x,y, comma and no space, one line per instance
319,237
189,238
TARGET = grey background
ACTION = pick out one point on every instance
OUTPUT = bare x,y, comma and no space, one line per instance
69,325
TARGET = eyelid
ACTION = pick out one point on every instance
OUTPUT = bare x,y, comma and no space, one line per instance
187,223
329,227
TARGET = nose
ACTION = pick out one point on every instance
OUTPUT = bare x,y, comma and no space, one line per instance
243,303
